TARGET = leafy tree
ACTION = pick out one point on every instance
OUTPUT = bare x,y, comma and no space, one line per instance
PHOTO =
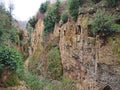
64,17
102,24
43,7
52,17
10,59
73,7
33,22
49,22
56,11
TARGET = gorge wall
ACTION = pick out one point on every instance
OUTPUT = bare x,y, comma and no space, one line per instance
84,60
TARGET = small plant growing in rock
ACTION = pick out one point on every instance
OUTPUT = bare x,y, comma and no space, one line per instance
64,17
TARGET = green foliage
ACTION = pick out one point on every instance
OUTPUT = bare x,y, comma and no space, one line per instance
12,80
116,27
31,79
52,17
54,64
14,35
4,24
64,84
64,17
35,83
102,24
49,22
10,59
50,56
43,7
111,3
33,22
56,11
8,33
73,7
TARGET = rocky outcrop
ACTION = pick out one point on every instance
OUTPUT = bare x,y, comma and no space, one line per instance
36,36
84,60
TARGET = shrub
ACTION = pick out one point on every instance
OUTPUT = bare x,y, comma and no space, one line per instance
54,65
73,7
56,11
5,25
10,59
111,3
52,17
43,7
14,35
33,22
49,22
102,24
31,79
64,17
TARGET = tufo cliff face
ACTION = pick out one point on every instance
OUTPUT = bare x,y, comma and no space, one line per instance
84,60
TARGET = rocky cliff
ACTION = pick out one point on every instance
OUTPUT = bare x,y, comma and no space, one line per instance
36,36
84,59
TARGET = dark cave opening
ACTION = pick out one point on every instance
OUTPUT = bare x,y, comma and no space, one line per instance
107,88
